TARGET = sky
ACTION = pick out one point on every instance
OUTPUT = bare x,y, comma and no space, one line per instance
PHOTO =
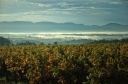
88,12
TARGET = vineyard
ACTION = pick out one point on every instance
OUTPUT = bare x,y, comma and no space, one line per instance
65,64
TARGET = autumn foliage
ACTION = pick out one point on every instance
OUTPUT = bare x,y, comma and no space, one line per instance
67,64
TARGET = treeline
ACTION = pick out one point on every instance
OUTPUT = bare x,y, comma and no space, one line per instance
110,41
6,41
26,43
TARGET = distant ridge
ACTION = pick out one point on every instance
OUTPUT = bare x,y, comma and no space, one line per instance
26,26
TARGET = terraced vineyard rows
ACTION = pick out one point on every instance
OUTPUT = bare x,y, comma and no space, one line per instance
66,64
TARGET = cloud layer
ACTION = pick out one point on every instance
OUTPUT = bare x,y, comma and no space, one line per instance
77,11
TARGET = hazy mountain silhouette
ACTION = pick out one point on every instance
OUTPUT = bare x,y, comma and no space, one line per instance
24,26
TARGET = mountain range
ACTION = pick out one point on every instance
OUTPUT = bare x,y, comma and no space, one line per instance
24,26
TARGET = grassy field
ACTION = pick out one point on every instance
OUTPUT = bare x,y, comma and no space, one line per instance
65,64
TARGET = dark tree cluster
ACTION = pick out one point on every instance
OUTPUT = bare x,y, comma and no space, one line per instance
4,41
110,41
25,43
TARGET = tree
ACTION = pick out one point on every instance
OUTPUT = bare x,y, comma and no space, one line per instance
4,41
55,43
41,43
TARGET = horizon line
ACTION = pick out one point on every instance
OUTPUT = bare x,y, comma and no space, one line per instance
106,32
66,22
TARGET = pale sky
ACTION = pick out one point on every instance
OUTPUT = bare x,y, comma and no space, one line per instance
88,12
